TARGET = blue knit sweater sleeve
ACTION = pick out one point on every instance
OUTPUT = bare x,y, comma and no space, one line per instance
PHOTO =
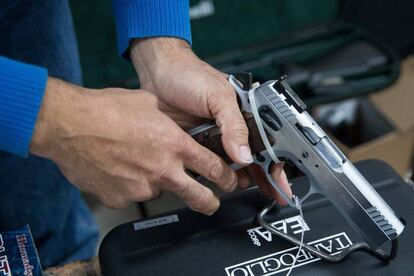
150,18
21,91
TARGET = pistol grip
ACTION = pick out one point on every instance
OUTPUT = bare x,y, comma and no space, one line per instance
209,136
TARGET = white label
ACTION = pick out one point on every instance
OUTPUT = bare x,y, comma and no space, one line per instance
281,261
202,9
155,222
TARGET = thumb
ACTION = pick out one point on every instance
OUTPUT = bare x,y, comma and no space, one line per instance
235,133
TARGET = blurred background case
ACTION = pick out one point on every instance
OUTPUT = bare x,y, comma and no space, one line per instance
267,37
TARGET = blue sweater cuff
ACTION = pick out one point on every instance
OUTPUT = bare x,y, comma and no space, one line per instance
21,91
150,18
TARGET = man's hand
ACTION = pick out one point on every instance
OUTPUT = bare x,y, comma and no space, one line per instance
168,68
190,90
116,144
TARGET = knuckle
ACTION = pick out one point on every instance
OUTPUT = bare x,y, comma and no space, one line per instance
174,142
167,177
216,169
179,142
229,96
145,194
155,193
222,97
138,191
201,201
226,89
149,98
116,203
184,190
240,129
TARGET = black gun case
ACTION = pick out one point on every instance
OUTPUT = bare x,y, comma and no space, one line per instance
231,242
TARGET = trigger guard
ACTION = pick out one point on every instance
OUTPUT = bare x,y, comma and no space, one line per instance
265,167
312,190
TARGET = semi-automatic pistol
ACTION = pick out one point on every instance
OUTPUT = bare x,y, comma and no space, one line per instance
280,128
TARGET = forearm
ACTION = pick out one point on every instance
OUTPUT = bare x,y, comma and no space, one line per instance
22,88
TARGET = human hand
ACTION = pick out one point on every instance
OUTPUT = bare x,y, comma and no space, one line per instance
169,69
117,145
191,91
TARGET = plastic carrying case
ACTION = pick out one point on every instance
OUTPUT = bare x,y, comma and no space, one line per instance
231,243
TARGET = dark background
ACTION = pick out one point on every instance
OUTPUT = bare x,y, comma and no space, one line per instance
234,26
390,21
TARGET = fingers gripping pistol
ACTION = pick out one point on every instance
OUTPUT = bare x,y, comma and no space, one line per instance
280,128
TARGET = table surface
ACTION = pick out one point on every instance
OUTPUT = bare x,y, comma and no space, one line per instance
80,268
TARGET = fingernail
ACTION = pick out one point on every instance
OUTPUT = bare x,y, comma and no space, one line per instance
245,154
